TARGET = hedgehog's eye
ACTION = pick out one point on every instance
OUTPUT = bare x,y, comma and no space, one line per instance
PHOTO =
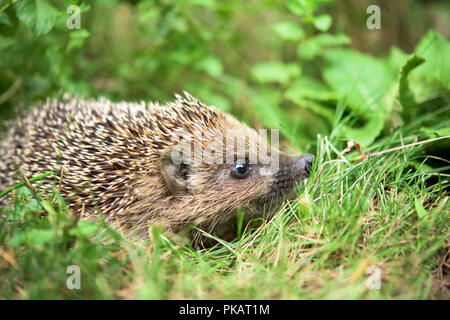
240,170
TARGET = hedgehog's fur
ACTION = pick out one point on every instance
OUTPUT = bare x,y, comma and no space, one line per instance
111,157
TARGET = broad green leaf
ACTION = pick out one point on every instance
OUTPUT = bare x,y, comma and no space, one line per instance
266,105
366,87
38,15
316,107
219,101
420,166
323,22
37,237
396,60
85,228
434,133
436,51
210,65
288,31
267,108
366,134
328,39
17,239
362,79
307,87
304,89
276,72
304,7
6,42
405,95
24,193
5,20
211,97
205,3
317,45
299,7
34,205
77,38
32,237
432,78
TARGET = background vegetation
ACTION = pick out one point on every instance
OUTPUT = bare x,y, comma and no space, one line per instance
310,68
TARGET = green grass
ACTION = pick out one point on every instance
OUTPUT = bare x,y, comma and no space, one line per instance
267,63
390,210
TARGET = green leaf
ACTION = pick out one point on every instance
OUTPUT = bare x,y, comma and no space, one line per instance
267,108
24,193
366,134
405,95
316,107
319,44
84,228
17,239
366,87
77,39
6,42
396,60
436,51
277,72
210,65
33,205
432,78
288,31
32,237
205,3
323,22
434,133
37,15
4,19
420,166
298,7
304,89
303,7
307,87
37,237
219,101
362,79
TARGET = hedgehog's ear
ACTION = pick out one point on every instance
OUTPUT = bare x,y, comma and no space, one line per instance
175,172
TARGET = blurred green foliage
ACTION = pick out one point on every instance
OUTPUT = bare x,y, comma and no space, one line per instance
276,64
289,65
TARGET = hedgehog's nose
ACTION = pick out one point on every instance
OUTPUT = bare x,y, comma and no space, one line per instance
304,163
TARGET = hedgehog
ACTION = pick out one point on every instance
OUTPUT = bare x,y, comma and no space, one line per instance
148,163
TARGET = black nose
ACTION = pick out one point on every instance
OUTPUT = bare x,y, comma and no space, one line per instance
305,162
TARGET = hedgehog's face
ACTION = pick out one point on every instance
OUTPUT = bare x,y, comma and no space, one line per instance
253,187
219,183
292,171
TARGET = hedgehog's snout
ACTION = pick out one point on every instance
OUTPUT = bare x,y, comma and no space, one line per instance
303,164
292,170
